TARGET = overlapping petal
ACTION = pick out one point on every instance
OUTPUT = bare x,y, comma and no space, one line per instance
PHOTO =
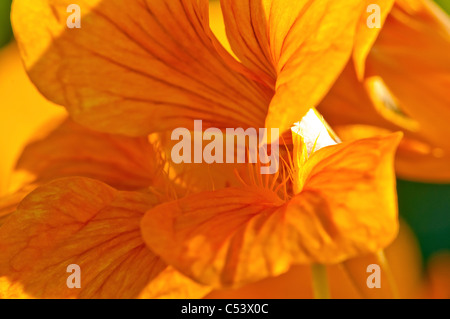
23,111
195,177
150,66
400,81
83,222
9,202
400,269
297,47
411,56
126,163
239,235
399,58
136,67
171,284
365,36
68,149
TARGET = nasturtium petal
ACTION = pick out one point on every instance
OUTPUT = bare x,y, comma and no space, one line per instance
220,238
234,236
411,56
23,111
425,168
9,202
400,269
196,177
365,35
401,78
348,205
416,158
126,163
136,67
403,259
83,222
438,285
297,47
357,181
171,284
351,101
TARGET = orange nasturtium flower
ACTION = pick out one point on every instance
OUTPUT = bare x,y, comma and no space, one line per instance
335,202
347,280
88,214
138,67
404,86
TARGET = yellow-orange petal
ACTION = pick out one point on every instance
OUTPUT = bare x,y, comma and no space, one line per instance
9,202
23,111
197,177
297,47
171,284
401,273
234,236
126,163
83,222
347,280
354,186
433,167
438,285
218,25
136,67
366,36
294,284
218,238
416,158
358,110
411,56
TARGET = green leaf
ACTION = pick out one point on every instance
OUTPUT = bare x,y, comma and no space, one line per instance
5,24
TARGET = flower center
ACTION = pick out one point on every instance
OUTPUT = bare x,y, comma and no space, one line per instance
314,132
308,136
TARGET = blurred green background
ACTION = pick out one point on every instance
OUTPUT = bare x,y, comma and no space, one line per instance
5,25
425,207
445,4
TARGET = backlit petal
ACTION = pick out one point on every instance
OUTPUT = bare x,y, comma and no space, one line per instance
218,238
9,202
401,272
350,101
23,111
355,184
70,149
399,82
411,55
416,158
136,67
194,177
233,236
297,47
171,284
403,257
83,222
365,36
